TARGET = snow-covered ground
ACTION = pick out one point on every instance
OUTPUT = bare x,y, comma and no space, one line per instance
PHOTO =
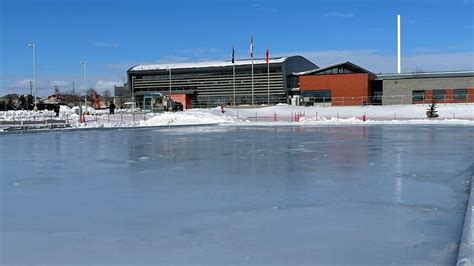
280,115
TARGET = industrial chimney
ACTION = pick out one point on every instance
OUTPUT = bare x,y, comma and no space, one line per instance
399,58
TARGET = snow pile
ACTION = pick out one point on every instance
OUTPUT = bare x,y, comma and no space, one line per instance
281,114
384,112
186,118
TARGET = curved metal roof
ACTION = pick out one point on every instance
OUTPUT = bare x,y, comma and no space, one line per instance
206,64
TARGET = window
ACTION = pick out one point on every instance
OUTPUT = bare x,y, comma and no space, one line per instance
460,94
418,95
318,96
438,94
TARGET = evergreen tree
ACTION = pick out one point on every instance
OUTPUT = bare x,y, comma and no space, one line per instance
432,113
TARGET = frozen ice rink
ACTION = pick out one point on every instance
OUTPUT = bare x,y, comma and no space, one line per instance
378,194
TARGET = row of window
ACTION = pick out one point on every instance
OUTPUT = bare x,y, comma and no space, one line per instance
459,94
317,96
165,76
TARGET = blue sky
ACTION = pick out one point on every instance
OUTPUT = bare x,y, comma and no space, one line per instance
113,35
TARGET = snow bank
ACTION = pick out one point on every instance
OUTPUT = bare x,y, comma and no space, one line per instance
281,114
384,112
186,118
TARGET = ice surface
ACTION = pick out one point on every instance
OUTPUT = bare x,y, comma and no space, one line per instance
235,195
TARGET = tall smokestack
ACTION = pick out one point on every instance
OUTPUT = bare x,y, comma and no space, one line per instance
399,58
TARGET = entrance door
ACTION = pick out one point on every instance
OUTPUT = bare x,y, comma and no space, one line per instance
147,103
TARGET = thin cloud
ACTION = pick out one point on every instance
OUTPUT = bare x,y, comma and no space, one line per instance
60,83
104,44
338,15
197,52
377,62
173,59
102,85
23,83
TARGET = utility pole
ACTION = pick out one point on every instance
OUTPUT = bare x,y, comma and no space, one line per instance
399,54
85,84
32,45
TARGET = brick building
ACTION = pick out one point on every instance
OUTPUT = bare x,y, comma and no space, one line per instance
343,83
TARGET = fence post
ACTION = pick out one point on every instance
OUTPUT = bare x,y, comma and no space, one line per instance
256,116
395,116
121,116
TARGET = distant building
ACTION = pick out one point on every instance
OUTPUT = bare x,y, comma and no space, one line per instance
211,83
122,94
342,83
294,80
442,87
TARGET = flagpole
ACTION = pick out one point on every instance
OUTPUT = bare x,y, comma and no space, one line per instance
268,72
233,71
252,83
251,55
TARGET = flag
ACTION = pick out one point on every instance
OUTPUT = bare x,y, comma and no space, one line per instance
267,56
251,48
233,55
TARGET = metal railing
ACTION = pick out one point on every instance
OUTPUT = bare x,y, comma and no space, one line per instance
337,101
300,116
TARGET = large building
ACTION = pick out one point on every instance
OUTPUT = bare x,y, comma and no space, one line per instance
295,80
211,83
442,87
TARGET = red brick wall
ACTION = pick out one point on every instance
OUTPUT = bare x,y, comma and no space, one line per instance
182,98
428,95
470,96
346,89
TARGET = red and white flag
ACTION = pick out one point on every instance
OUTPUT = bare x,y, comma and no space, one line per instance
267,56
251,48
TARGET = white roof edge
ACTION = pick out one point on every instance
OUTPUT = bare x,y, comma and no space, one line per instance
206,64
459,73
428,73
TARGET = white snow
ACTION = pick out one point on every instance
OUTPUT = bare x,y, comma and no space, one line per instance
275,115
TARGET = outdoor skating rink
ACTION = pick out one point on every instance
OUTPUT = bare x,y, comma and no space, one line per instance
287,195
